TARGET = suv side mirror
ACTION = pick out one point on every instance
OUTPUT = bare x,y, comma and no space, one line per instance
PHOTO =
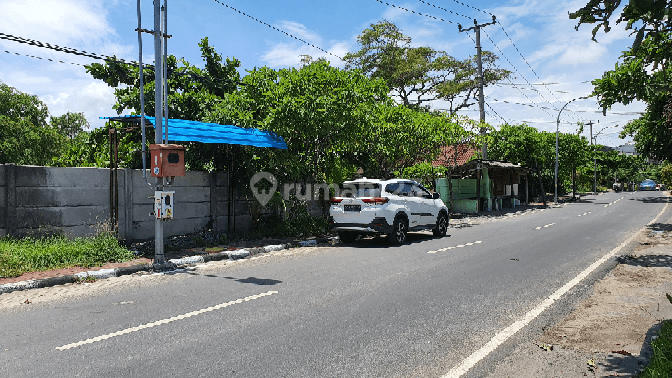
436,196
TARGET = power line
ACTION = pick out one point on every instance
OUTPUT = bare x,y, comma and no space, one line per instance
444,9
514,67
474,8
412,11
507,78
67,50
577,82
70,50
38,57
496,113
279,30
525,60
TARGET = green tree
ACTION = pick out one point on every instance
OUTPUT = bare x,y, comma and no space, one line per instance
666,176
420,74
193,93
401,137
644,73
26,137
645,17
321,111
70,124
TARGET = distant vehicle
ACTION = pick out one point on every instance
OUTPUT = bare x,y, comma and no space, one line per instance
618,186
660,186
648,185
388,207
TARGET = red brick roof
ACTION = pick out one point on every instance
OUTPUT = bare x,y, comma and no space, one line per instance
454,155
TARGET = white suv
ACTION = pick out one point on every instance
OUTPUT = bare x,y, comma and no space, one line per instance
391,207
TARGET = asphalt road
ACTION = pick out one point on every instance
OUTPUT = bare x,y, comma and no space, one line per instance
369,310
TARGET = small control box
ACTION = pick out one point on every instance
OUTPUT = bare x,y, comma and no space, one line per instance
163,204
167,160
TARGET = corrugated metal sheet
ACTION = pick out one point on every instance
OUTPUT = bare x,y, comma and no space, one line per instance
180,130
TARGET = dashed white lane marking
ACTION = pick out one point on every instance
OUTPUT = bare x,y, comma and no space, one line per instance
166,321
584,214
457,246
545,226
509,331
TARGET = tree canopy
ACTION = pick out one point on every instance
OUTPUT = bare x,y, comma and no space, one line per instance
644,72
26,137
420,74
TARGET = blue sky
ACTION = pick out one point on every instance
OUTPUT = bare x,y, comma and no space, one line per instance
553,52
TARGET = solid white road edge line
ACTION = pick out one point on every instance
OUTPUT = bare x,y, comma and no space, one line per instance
509,331
165,321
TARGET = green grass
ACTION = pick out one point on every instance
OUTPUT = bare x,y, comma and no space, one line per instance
660,365
18,256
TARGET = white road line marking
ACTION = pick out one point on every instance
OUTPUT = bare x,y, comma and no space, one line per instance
457,246
509,331
537,228
606,205
165,321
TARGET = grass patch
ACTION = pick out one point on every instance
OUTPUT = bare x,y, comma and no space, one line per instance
18,256
660,365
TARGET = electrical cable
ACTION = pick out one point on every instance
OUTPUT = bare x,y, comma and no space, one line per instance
38,57
444,9
519,90
577,82
279,30
68,50
474,8
514,67
412,11
525,60
496,113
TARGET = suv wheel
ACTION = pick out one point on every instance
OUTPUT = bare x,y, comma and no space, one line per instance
399,232
347,236
441,226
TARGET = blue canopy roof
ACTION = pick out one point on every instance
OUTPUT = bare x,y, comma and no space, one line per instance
181,130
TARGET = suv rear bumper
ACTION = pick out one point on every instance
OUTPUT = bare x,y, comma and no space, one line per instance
377,225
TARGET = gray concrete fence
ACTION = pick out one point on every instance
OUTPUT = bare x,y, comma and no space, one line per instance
76,202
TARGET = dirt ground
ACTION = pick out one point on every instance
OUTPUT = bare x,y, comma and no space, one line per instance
608,334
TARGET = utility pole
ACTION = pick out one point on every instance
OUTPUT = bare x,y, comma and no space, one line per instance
160,104
594,158
481,102
158,115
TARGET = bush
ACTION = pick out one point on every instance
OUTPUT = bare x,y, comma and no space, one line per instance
666,176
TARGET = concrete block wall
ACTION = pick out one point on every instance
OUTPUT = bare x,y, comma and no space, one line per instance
38,200
76,202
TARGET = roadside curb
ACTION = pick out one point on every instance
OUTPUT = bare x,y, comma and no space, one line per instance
169,266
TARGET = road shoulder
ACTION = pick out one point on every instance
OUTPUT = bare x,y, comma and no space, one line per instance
609,333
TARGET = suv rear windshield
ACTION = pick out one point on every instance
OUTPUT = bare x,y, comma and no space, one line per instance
359,189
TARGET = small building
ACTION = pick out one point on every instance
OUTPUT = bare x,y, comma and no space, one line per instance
479,185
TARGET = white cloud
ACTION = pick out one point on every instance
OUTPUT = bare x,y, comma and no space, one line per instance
55,21
301,31
289,55
94,99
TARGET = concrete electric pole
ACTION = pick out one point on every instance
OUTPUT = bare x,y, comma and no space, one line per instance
481,102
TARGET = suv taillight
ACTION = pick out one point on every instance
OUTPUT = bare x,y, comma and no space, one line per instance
375,200
335,201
